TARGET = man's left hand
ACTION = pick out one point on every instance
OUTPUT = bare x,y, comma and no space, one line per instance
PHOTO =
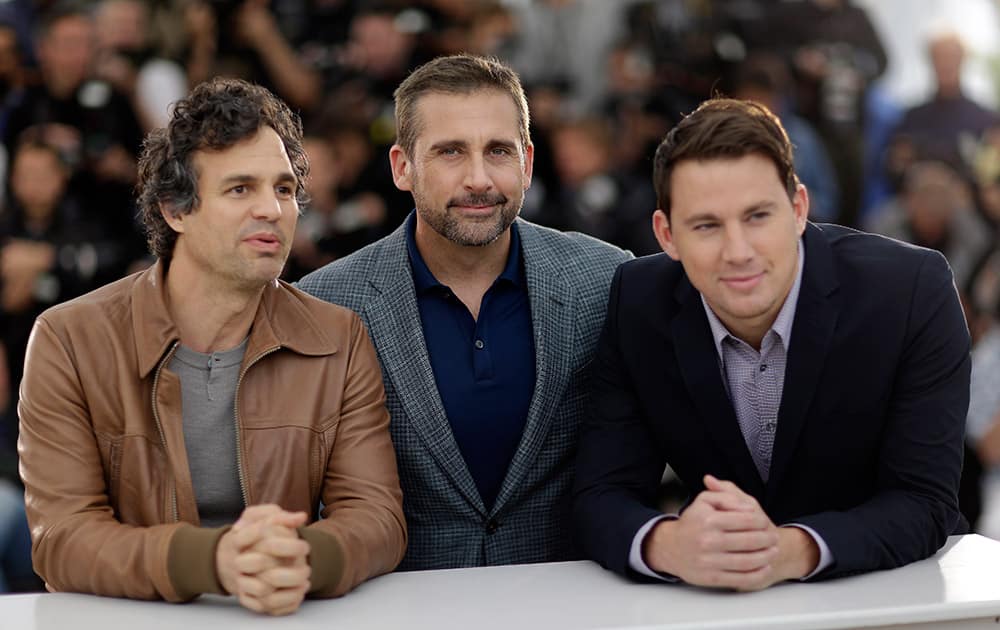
798,554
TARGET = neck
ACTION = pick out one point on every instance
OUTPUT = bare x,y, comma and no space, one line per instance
209,318
468,271
462,264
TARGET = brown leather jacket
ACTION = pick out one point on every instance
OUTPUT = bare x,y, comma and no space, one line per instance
107,484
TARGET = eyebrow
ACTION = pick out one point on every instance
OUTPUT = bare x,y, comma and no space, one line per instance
241,178
462,144
708,216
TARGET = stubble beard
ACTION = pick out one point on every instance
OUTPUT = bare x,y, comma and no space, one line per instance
469,232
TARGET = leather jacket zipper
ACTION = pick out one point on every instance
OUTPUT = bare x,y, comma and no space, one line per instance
159,426
236,419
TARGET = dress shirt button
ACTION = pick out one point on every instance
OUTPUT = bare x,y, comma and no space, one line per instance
492,526
479,344
763,367
770,426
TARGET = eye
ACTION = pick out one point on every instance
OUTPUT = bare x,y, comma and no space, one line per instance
703,227
285,191
760,215
238,190
500,151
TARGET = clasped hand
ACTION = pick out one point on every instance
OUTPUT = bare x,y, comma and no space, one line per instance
725,539
263,562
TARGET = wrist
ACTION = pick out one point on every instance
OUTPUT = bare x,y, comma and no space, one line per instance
798,553
656,547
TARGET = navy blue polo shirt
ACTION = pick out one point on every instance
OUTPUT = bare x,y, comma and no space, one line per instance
484,369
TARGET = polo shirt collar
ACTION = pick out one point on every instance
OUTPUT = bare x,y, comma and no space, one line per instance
424,280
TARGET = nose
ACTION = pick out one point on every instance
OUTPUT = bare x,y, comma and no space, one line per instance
268,208
736,248
477,178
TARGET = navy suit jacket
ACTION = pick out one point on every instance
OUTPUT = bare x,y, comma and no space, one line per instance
868,450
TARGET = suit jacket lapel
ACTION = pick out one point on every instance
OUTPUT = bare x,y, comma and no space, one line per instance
394,322
812,331
699,366
551,298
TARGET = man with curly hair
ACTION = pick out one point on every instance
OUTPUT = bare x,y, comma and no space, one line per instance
181,427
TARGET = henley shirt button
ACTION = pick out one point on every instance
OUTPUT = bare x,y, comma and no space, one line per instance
479,344
492,526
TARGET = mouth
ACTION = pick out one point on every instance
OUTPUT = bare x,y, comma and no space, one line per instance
743,282
264,242
477,206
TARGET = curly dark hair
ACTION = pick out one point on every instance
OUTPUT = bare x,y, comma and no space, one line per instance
216,115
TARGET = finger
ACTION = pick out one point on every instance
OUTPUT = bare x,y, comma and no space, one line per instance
253,586
291,520
739,580
731,521
286,577
252,562
252,603
718,485
741,561
246,536
752,580
280,602
281,547
256,513
284,601
728,501
749,540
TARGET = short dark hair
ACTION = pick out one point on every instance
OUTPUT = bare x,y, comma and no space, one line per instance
456,74
723,128
215,116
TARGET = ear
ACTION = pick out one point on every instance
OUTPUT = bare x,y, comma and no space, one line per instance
661,230
800,206
529,164
402,168
175,221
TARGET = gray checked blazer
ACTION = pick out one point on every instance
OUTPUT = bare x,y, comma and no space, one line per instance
568,277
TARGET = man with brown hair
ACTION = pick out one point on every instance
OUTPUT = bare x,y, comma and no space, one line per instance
808,383
181,427
485,325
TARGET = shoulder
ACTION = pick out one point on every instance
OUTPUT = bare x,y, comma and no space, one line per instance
864,255
346,279
326,315
111,303
571,249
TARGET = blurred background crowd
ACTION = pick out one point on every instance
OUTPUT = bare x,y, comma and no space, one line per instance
891,106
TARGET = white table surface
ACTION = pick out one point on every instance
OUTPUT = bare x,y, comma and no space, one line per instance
959,587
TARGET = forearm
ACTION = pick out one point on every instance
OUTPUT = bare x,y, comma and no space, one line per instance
362,528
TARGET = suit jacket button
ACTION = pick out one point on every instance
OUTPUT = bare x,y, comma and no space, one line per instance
491,526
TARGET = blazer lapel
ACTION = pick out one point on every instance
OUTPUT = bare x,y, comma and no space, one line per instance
812,331
394,322
698,361
551,299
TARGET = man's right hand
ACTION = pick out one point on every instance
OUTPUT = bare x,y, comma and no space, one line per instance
723,539
263,562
